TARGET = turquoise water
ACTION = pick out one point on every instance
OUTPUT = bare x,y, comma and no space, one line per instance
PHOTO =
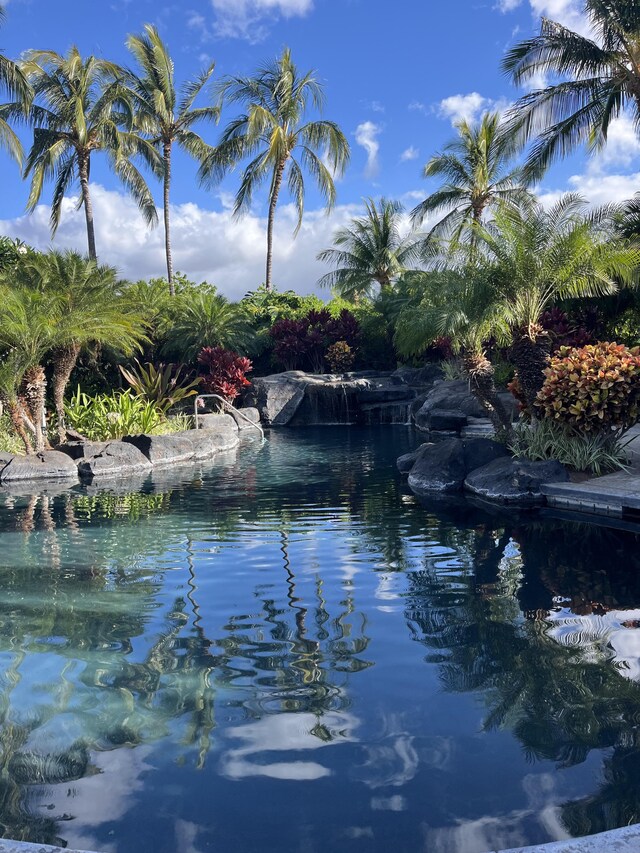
287,652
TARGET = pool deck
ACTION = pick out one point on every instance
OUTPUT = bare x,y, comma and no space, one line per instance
613,495
625,840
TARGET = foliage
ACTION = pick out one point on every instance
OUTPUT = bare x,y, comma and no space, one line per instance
11,253
625,327
370,251
303,343
562,331
226,372
111,416
164,386
204,319
594,453
9,441
592,389
452,369
340,357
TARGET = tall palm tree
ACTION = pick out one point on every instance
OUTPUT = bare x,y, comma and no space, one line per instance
165,115
369,251
273,133
478,167
13,80
598,79
462,305
79,107
544,256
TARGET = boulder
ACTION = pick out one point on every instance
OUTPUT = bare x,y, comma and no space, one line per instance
277,397
516,481
480,451
440,467
5,458
441,420
426,375
449,396
47,465
406,462
163,449
114,459
78,449
386,394
205,443
249,412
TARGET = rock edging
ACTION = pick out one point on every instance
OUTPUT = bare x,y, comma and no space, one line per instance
86,461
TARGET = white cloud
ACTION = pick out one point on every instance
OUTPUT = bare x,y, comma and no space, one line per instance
458,108
595,188
508,5
622,149
410,153
569,13
366,136
250,19
418,107
207,244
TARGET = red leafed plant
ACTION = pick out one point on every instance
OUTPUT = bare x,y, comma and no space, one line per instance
226,374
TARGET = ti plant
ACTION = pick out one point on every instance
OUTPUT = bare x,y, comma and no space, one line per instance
164,386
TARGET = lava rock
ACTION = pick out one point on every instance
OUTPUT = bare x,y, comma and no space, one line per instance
440,467
440,420
277,397
386,394
163,449
113,459
47,465
480,451
78,449
215,437
515,481
249,412
406,462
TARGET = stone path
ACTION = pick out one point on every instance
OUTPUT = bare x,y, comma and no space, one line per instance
614,494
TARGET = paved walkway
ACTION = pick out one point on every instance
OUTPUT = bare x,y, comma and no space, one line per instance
614,494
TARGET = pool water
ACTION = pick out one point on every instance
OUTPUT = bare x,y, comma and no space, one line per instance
286,651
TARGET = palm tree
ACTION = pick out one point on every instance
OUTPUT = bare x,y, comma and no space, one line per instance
370,250
599,78
203,319
166,117
14,81
479,173
79,107
462,305
272,132
546,256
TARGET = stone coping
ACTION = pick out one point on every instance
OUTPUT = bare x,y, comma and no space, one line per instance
625,840
26,847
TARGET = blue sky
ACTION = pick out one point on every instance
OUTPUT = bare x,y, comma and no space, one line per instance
396,77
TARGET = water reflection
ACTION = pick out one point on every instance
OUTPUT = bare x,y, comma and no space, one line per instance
292,617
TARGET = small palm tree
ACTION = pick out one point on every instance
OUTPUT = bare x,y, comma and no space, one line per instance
598,79
13,80
542,257
464,306
205,319
165,117
480,175
79,107
273,133
370,251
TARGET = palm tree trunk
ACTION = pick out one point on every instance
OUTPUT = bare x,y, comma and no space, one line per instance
35,386
277,182
83,171
480,372
530,356
167,227
17,422
64,360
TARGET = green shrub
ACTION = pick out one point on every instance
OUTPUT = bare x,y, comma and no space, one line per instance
452,369
592,389
111,416
594,453
340,357
9,441
164,386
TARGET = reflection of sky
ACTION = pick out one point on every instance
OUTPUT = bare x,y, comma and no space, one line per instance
612,636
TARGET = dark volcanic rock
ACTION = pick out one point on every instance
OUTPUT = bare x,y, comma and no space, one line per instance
386,394
47,465
440,420
405,463
481,451
455,396
277,397
114,459
81,448
439,467
516,481
249,412
163,449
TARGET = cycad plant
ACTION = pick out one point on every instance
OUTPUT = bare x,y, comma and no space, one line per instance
596,78
273,133
371,251
80,106
480,175
166,117
204,319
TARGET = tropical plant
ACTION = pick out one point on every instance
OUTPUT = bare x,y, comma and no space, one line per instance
463,306
370,251
9,442
164,385
273,133
593,453
478,167
14,82
340,357
592,389
304,342
204,318
79,107
226,372
596,79
111,416
166,116
543,256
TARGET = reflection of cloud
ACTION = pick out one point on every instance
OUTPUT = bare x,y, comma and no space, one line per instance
613,636
284,733
389,804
